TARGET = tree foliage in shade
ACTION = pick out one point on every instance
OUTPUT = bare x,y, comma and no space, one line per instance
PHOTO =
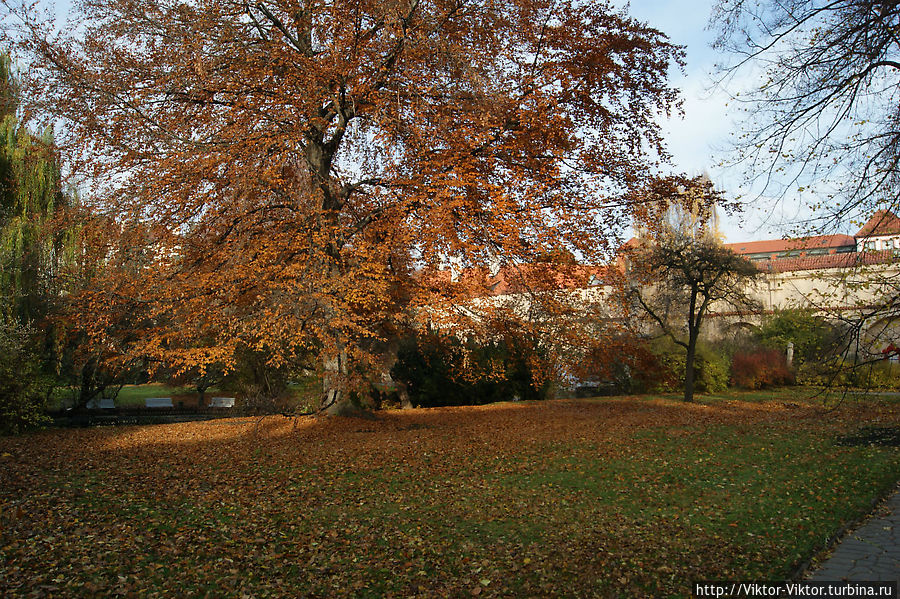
43,257
23,387
680,271
827,112
301,169
440,370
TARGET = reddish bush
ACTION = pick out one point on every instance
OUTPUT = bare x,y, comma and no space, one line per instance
625,362
759,369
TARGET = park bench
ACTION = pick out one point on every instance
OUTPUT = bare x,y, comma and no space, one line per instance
221,402
158,402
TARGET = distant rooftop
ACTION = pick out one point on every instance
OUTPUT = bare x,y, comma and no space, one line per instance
883,222
824,251
820,262
798,245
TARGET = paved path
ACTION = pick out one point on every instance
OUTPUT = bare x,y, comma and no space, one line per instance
869,553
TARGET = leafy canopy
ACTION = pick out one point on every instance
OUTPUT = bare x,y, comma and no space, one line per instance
292,174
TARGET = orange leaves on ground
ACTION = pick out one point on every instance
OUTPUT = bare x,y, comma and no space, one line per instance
584,498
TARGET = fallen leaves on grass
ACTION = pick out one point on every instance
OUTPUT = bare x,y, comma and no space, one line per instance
576,498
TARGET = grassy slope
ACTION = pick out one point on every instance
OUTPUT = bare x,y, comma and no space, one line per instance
302,393
134,395
576,498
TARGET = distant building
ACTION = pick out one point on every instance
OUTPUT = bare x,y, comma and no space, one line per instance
879,237
779,249
851,277
828,273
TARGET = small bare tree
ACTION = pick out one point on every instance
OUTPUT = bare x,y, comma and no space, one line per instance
680,270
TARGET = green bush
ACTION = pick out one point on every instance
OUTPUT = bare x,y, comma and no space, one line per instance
23,389
441,370
877,375
671,361
712,371
815,339
710,368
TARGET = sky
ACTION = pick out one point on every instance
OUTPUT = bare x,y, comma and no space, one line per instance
698,142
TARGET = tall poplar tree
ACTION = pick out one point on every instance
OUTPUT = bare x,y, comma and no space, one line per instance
30,254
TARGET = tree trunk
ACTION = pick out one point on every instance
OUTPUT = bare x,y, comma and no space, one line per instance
335,399
390,361
403,393
694,316
689,367
87,389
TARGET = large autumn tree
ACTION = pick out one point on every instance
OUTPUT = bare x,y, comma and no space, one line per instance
299,170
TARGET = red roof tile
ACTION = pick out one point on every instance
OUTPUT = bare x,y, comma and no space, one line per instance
792,245
883,222
845,260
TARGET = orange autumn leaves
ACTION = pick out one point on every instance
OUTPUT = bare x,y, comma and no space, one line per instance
628,497
298,169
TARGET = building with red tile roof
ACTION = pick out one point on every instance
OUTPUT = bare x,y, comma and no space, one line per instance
878,241
822,271
836,276
883,223
791,248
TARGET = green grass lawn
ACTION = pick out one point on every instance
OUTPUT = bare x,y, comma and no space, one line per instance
302,393
633,497
818,396
134,395
131,395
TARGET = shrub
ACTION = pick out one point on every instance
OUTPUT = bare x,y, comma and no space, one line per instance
670,360
261,387
443,370
711,371
815,339
759,369
831,372
877,375
710,368
620,365
23,390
